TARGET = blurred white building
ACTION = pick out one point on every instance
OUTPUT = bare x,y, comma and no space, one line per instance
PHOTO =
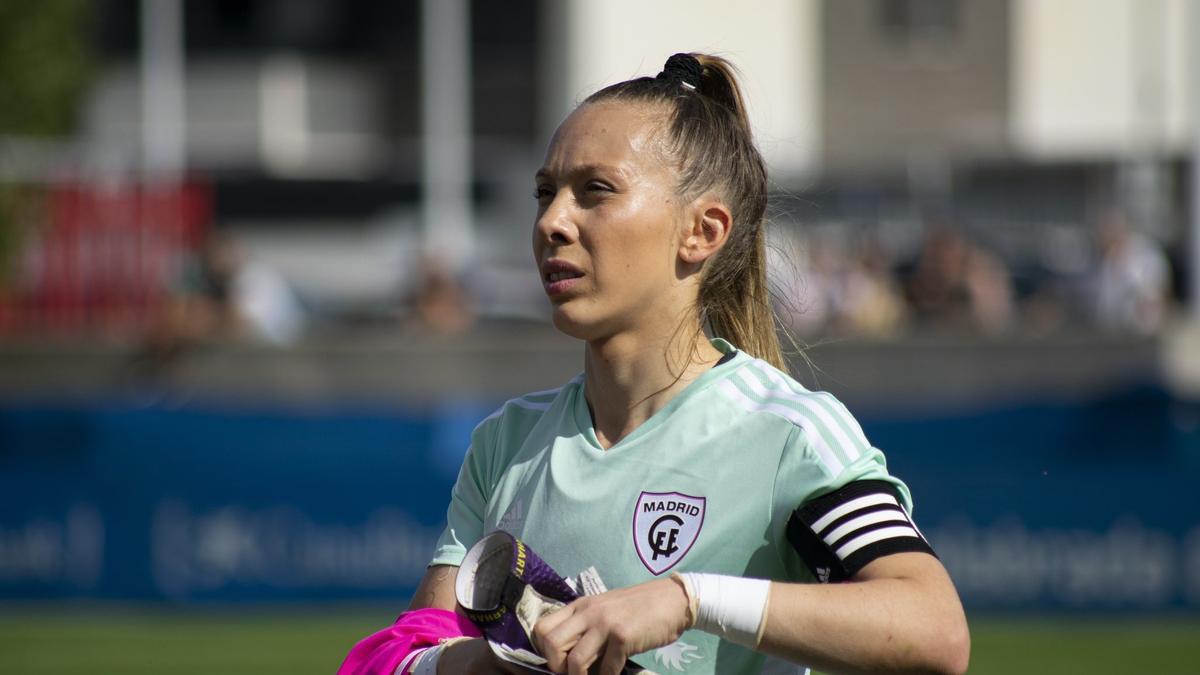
1009,112
833,83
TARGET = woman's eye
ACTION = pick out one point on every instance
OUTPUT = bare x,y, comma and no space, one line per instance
595,186
542,192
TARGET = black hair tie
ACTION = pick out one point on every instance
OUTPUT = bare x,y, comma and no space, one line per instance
682,68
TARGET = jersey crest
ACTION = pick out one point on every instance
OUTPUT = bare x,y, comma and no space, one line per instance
665,526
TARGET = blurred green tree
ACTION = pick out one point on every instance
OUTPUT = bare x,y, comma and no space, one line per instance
46,63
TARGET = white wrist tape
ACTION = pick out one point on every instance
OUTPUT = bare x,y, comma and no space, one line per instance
732,608
425,663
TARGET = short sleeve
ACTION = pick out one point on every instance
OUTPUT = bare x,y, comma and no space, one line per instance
468,502
825,472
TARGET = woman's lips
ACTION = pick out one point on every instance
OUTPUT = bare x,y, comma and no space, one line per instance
561,286
558,276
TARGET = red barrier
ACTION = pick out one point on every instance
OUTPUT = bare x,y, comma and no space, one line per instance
106,257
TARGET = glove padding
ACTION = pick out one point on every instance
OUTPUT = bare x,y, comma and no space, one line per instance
505,588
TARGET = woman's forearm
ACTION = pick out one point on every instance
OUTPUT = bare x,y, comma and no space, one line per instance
902,616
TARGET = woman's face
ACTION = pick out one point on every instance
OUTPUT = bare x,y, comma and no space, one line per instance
608,229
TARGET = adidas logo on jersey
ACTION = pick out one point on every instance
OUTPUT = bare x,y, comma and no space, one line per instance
513,520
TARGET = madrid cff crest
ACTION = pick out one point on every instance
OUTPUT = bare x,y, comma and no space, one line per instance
665,527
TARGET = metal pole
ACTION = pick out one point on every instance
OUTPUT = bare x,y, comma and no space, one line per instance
164,140
1143,188
446,131
1193,238
554,65
163,121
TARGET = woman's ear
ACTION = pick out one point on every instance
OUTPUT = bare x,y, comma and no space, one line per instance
706,230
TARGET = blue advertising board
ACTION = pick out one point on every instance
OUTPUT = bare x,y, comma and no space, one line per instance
1089,506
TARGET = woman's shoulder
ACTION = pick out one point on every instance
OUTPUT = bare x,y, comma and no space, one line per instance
526,410
758,388
823,434
758,382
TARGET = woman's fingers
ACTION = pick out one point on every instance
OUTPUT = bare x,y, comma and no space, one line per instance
614,658
550,623
585,652
592,638
556,634
602,631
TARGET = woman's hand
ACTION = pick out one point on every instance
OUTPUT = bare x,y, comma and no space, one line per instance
474,657
608,628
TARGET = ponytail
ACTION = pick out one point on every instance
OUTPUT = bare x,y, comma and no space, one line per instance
735,301
709,136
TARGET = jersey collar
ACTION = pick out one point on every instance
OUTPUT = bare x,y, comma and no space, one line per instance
583,418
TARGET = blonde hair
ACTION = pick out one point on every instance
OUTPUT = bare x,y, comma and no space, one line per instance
709,138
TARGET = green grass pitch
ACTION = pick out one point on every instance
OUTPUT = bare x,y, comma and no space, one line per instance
302,641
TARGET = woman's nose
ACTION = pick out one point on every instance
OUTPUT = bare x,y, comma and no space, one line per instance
554,224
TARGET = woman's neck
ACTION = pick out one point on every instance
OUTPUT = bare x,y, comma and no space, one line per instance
631,377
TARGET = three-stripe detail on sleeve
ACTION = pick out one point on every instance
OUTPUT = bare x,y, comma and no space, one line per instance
537,401
839,533
834,436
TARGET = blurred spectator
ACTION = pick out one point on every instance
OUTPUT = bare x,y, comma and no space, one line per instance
265,305
440,302
198,308
220,296
846,293
250,299
871,302
809,308
959,286
1129,285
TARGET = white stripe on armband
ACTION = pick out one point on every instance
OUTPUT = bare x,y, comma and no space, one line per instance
732,608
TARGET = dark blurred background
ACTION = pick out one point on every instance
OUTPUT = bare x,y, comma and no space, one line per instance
265,263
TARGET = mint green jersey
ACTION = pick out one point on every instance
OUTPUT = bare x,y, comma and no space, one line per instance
707,484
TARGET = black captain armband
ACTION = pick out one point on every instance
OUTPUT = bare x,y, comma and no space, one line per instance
839,533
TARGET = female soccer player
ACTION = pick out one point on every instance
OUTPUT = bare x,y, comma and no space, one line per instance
742,518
